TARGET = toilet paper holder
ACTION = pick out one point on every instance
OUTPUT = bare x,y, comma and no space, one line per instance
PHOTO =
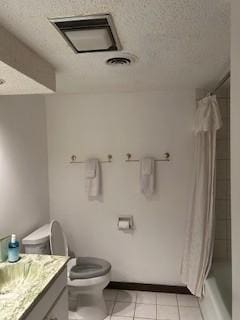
125,223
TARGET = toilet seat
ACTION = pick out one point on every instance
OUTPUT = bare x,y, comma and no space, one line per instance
81,270
85,282
89,267
57,239
86,277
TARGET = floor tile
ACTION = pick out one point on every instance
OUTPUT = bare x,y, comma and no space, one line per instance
146,297
109,294
126,296
146,311
185,300
167,299
190,313
122,318
124,309
109,306
75,315
167,312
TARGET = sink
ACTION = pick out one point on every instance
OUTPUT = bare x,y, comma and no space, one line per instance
21,283
17,275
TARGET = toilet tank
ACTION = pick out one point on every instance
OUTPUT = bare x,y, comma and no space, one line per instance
37,242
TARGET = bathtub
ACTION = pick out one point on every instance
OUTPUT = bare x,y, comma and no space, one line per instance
217,301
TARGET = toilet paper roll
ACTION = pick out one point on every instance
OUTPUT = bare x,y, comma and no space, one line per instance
123,224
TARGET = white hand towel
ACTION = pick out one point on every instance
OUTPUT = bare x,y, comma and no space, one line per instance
147,176
146,166
90,168
92,178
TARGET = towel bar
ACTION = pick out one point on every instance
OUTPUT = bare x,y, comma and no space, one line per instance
74,159
166,158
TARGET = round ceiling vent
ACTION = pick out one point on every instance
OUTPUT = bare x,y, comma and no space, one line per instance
123,60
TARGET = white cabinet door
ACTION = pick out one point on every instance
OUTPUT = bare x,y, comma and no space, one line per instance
60,308
49,299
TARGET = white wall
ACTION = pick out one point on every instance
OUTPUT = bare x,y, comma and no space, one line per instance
139,123
235,156
23,164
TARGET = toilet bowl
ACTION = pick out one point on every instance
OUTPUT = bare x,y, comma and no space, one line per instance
87,276
86,294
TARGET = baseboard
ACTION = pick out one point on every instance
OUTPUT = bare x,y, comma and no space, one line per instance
148,287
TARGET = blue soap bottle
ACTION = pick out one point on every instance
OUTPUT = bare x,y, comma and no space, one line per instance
13,249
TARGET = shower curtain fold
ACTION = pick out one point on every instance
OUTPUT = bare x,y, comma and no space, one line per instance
199,240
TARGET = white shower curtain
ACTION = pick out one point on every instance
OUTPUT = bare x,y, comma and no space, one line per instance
199,243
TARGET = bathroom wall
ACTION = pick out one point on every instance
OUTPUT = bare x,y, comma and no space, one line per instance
222,248
140,123
235,155
23,164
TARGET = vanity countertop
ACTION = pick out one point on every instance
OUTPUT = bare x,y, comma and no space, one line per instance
23,283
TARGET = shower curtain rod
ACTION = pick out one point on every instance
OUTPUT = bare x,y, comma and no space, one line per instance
221,82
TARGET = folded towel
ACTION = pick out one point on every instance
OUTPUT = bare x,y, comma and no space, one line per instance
90,168
92,178
147,166
147,175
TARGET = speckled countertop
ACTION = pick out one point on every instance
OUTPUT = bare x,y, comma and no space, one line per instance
21,283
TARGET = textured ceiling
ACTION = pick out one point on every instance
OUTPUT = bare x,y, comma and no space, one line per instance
22,69
179,43
17,82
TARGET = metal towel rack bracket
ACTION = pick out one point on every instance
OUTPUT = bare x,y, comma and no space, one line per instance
74,159
166,157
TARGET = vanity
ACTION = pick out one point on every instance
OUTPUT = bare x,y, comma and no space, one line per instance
34,288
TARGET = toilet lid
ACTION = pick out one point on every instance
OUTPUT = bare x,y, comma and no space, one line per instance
58,243
89,267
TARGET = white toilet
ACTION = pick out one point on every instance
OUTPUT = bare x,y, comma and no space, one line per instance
87,276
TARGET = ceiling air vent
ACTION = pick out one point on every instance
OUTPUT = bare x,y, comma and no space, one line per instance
118,60
125,59
95,33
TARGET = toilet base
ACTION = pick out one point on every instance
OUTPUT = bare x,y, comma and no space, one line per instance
86,300
89,307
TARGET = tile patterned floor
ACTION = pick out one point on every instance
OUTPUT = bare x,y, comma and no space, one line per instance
139,305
